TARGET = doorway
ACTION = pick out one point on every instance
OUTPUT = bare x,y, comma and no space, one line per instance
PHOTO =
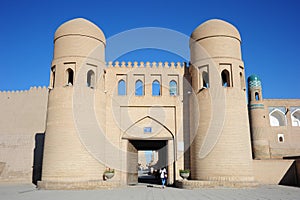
38,157
146,157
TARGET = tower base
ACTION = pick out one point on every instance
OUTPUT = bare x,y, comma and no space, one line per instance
82,185
194,184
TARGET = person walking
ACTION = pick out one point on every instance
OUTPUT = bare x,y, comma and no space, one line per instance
163,176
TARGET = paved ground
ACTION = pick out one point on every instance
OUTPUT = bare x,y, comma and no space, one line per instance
141,192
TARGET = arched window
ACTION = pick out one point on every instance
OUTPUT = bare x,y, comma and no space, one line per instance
205,79
139,88
70,76
277,118
121,88
53,69
90,79
173,88
256,96
156,88
225,78
295,117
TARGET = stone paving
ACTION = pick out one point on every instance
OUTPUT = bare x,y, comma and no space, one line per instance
139,192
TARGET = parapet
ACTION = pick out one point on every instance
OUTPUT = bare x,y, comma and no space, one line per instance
171,65
31,90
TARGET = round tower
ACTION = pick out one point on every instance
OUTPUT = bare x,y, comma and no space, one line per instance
78,61
258,120
221,145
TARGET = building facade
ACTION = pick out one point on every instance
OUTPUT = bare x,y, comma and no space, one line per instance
97,116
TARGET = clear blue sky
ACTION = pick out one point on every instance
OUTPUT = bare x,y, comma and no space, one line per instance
270,33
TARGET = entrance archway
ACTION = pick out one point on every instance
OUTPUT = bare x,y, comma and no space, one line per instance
163,154
152,156
148,134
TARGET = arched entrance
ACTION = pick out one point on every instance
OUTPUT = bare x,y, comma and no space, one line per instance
150,147
152,156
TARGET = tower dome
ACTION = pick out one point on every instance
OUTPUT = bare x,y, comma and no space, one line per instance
79,38
215,38
82,27
215,27
254,81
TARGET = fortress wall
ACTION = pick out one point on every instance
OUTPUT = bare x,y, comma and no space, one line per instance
22,116
270,171
290,146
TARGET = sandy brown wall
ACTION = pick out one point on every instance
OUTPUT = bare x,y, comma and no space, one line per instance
22,123
270,171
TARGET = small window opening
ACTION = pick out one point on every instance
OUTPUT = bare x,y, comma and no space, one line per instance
53,69
225,78
70,75
256,96
280,138
90,79
121,88
173,88
139,88
205,79
156,88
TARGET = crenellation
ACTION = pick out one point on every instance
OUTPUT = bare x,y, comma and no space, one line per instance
154,64
129,64
142,64
166,64
117,64
160,64
20,92
172,65
148,64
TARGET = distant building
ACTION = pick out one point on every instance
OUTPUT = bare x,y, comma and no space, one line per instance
95,116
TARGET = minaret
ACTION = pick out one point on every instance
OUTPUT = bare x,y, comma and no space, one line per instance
258,120
220,135
78,61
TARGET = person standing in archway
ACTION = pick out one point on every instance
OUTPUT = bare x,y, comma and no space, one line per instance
163,176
